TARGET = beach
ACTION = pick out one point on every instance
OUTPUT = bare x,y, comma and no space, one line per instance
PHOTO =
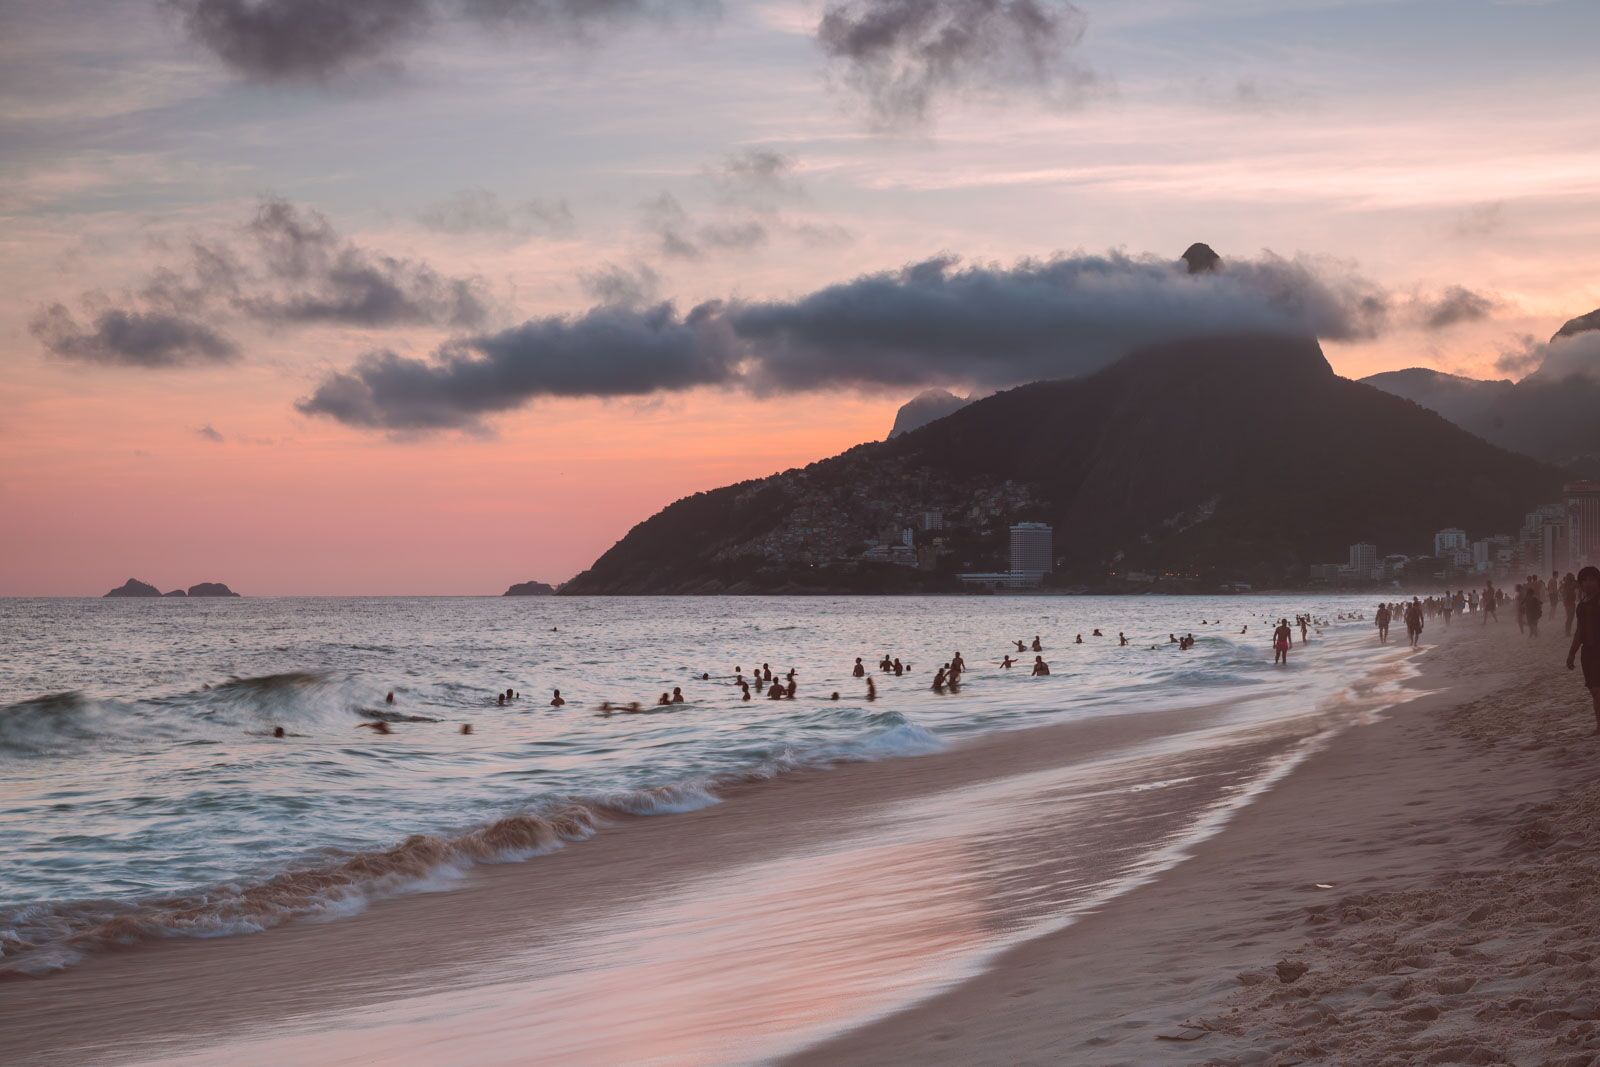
975,905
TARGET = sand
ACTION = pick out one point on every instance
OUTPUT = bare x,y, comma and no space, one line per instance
1459,841
1421,889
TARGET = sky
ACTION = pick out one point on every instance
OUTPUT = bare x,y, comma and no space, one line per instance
343,297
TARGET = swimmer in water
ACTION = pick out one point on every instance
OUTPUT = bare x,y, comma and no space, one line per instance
677,695
664,702
858,671
898,668
1097,632
278,731
1006,663
774,692
390,698
375,727
1079,641
789,693
605,707
500,700
1122,638
835,695
466,727
745,689
872,690
938,681
1037,647
1040,667
556,701
1021,647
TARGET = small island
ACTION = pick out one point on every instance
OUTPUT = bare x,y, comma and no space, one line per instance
134,587
531,588
211,589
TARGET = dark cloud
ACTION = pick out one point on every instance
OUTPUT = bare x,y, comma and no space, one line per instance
903,55
1454,305
209,433
609,351
302,40
934,323
287,267
317,276
481,211
318,40
120,337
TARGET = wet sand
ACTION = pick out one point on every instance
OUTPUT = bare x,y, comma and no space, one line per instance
739,932
1435,875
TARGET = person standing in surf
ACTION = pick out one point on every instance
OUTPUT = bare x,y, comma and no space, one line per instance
1383,617
1414,621
1282,638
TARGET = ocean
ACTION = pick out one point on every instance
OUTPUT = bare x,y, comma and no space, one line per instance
142,794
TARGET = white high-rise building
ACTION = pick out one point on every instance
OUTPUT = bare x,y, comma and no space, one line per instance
1447,542
1583,523
1363,557
1032,548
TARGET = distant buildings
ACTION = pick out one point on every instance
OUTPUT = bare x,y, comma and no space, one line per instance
1032,548
1363,557
1446,543
1583,524
1032,557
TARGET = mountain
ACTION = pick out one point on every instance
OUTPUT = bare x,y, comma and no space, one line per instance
926,407
530,588
134,587
1240,458
1549,415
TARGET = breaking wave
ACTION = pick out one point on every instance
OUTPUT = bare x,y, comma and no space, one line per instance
39,938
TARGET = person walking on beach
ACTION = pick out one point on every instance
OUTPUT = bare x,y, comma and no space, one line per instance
1569,598
1414,621
1383,617
1586,641
1282,638
1490,598
1534,609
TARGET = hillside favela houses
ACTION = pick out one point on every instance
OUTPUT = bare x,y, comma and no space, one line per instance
1557,537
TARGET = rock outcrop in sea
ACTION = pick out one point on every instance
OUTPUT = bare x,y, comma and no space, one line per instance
134,587
211,589
531,588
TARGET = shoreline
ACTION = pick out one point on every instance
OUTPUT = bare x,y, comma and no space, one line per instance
1227,959
159,998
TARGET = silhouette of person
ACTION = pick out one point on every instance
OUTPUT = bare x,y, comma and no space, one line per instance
1040,667
556,701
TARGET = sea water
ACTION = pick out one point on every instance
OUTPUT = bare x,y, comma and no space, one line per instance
143,794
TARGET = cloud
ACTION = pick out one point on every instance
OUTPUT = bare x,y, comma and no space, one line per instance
119,337
758,177
319,40
302,40
317,276
622,286
286,267
1454,305
680,236
904,56
1554,360
481,211
933,323
609,351
209,433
